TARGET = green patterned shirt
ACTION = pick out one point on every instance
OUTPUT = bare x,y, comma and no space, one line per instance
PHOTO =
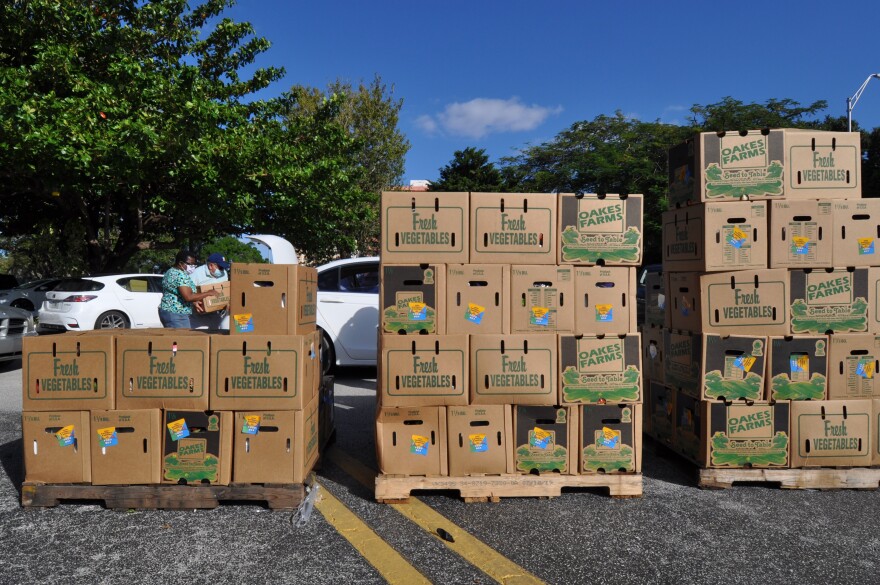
171,299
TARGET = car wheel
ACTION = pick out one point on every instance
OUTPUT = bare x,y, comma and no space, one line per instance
112,320
328,356
23,304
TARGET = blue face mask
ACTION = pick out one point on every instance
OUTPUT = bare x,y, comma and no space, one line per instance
217,274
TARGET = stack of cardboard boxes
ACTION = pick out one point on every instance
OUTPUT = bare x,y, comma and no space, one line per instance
127,407
766,353
508,339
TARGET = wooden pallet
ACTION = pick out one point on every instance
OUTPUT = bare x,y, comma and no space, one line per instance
852,478
395,489
278,497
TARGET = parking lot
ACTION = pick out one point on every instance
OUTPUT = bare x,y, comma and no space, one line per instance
676,533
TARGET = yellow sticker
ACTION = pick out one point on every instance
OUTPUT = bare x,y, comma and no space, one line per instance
610,438
419,445
738,234
800,241
475,310
541,434
866,245
746,362
65,435
251,424
176,426
478,443
801,363
417,307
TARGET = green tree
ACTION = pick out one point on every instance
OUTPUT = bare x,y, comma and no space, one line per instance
730,114
470,170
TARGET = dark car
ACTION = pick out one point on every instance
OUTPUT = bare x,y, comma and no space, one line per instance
8,281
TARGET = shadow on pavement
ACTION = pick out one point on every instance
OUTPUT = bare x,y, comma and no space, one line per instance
12,461
357,377
663,464
10,365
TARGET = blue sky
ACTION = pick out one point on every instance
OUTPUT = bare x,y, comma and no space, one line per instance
501,75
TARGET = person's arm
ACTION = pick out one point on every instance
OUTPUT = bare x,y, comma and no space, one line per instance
187,294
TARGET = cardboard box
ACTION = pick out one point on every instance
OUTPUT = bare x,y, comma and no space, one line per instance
610,438
746,435
661,412
600,229
687,434
162,371
412,299
425,227
541,299
71,371
264,372
685,302
713,237
412,441
874,300
275,446
600,369
856,233
479,440
733,367
831,433
801,234
424,370
273,299
825,165
197,447
514,369
605,300
656,299
221,301
653,354
853,362
56,446
477,298
797,367
126,447
509,228
830,300
546,439
753,301
875,436
684,356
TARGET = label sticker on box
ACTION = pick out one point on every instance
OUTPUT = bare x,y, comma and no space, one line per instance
745,362
685,307
799,363
540,316
540,438
610,438
474,313
737,238
66,436
244,323
478,443
661,301
251,424
800,245
866,246
652,350
418,311
107,437
605,313
865,369
419,445
178,429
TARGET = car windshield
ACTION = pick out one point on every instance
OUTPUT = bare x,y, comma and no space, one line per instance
33,284
79,285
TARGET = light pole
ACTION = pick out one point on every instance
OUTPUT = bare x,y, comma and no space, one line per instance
852,101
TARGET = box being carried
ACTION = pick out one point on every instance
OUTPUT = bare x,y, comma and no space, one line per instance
425,227
600,229
221,301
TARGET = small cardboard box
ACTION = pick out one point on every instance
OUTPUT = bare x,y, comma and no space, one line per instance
273,299
684,300
610,438
661,412
162,371
801,234
713,237
754,301
264,372
425,227
853,362
831,433
653,354
605,300
856,232
126,447
275,446
477,298
412,441
56,446
541,299
797,367
509,228
656,299
514,369
479,440
600,229
600,369
830,300
197,447
71,371
746,435
733,367
684,356
546,439
221,301
412,299
424,370
687,434
823,164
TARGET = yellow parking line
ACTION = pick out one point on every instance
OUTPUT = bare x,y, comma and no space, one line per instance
470,548
390,564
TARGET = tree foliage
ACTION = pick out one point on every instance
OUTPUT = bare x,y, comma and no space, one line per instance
469,170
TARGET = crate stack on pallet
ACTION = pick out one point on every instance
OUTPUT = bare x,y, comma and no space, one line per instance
505,350
769,344
171,406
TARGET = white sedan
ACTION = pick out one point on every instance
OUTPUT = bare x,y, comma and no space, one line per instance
348,311
102,302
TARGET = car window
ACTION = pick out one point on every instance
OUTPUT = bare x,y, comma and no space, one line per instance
155,284
79,285
135,284
360,278
328,280
48,285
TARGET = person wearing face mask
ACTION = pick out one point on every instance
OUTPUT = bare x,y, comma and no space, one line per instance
179,294
214,270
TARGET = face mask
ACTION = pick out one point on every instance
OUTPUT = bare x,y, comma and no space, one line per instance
190,268
217,274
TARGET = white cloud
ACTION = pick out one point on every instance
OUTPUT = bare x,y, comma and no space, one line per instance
482,116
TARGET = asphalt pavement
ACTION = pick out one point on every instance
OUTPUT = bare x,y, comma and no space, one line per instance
676,533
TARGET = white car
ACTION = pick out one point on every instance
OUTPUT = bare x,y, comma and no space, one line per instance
102,302
348,311
15,324
28,296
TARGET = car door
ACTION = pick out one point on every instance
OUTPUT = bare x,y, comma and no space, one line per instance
140,296
348,303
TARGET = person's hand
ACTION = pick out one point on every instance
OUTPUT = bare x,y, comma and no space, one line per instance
199,307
